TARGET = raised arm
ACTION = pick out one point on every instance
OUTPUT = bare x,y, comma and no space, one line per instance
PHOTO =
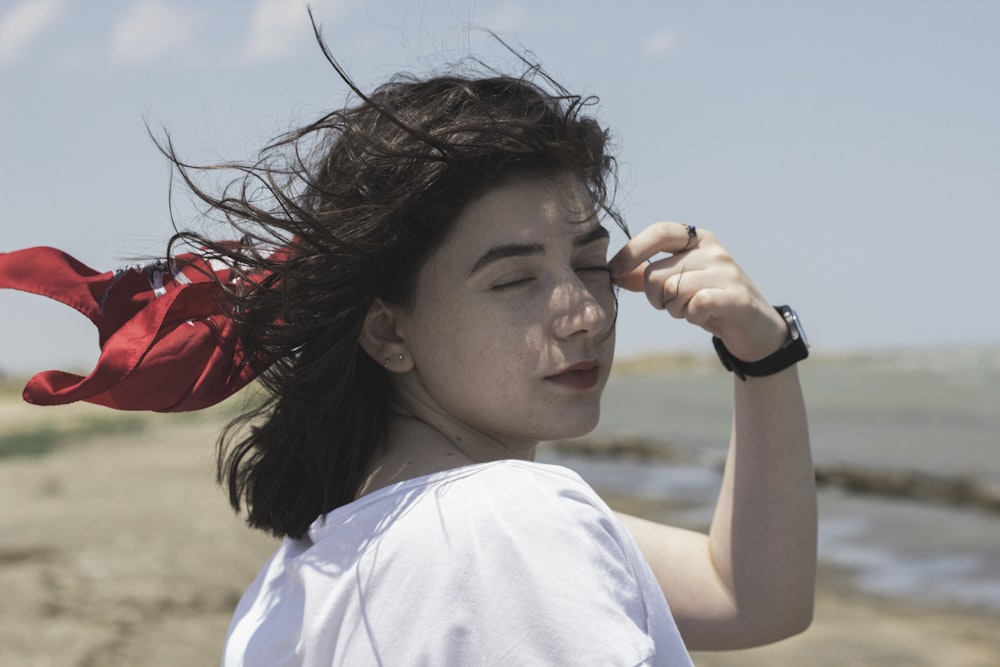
751,580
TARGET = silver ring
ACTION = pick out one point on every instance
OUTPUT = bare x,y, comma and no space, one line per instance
692,235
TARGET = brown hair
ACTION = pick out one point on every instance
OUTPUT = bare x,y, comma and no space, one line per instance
358,200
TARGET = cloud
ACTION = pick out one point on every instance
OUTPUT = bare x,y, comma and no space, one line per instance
660,43
508,17
515,17
151,29
22,24
275,27
278,27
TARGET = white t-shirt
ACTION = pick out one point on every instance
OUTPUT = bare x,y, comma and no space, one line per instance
503,563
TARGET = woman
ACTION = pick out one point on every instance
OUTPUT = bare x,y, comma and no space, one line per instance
443,302
423,285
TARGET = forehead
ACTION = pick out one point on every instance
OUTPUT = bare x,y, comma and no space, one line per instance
536,210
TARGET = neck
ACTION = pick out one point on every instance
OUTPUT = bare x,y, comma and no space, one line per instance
421,445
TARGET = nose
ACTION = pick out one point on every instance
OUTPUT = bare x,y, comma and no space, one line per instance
579,313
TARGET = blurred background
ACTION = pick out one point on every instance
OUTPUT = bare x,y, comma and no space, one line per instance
848,155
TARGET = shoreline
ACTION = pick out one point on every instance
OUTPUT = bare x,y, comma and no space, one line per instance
650,363
653,362
964,491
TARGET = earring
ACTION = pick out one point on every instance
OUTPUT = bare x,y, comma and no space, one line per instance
388,360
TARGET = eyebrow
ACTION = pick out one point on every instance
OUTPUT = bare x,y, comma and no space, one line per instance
530,249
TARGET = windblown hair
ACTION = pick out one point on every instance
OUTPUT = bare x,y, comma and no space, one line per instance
357,201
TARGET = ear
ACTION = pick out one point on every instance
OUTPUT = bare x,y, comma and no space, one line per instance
382,340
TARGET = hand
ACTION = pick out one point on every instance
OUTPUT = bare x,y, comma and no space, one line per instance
700,282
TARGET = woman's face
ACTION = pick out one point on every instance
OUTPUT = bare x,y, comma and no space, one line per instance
512,329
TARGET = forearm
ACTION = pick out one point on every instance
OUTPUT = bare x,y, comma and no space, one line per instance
763,536
751,580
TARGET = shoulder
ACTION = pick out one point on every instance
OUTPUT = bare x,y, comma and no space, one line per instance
521,501
522,482
539,566
541,523
502,563
546,520
517,497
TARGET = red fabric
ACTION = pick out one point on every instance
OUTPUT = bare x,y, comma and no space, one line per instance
167,343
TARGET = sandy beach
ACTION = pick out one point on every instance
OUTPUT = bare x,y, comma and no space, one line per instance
117,548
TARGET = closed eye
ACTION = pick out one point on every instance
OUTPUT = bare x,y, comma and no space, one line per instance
510,284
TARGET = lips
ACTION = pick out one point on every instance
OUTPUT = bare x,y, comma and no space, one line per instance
581,376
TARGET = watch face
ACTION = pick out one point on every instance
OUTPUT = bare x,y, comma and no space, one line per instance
795,325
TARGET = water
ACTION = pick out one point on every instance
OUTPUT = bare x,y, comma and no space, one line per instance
933,413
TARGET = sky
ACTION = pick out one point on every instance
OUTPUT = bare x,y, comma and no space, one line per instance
846,153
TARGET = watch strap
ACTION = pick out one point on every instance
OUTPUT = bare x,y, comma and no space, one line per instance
793,351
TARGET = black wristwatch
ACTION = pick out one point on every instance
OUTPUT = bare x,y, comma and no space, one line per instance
795,349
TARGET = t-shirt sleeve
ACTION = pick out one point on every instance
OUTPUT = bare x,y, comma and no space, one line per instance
522,572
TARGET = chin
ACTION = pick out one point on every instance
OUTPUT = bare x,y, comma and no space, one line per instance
579,433
577,427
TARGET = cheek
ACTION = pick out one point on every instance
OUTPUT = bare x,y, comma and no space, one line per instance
483,350
482,342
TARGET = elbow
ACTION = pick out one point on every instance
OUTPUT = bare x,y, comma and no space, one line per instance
786,607
749,625
782,617
786,617
797,620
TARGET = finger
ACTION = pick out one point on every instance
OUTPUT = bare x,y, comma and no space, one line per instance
701,298
677,290
663,281
669,292
709,306
634,280
670,237
638,279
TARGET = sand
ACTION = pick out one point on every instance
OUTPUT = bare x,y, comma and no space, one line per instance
120,550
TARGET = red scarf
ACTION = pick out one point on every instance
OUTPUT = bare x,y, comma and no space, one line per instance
167,342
